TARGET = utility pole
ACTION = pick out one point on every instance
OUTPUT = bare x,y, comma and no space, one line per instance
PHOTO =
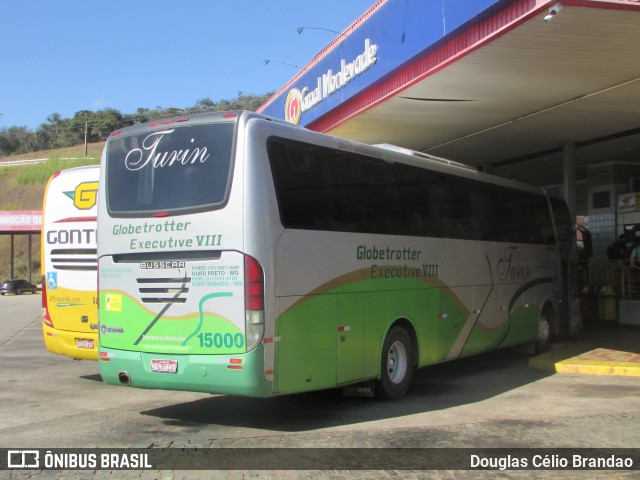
86,128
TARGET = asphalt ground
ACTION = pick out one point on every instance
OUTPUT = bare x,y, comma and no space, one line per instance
496,400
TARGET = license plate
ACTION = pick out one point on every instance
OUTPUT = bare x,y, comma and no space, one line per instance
84,343
166,366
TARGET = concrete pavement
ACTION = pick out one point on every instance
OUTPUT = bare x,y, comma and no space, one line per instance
601,348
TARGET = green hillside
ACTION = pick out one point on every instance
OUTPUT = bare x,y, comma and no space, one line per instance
22,188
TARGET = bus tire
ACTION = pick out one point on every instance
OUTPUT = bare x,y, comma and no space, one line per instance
543,341
397,365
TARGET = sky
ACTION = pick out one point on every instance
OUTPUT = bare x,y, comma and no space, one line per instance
63,56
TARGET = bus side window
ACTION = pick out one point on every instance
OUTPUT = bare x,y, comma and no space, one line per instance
306,184
369,197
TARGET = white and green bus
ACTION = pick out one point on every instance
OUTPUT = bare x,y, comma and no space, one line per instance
239,254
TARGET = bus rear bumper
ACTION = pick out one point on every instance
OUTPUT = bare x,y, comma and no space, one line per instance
78,345
238,374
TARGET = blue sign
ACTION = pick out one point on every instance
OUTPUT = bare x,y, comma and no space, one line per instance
52,280
393,35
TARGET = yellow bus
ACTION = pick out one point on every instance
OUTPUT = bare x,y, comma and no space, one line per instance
69,263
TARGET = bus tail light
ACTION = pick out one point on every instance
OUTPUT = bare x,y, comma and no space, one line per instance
253,302
45,303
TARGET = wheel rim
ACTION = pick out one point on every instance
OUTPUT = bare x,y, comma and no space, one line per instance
543,330
397,362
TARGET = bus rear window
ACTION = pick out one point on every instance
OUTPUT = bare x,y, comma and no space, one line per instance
181,168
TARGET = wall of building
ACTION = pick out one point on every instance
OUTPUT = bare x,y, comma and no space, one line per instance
605,182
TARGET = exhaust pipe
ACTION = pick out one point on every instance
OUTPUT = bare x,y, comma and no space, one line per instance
124,378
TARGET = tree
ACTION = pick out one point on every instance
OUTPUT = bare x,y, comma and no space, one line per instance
104,122
142,115
204,104
71,131
48,133
58,132
20,140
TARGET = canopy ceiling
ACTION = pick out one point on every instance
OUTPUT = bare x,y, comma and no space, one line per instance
512,101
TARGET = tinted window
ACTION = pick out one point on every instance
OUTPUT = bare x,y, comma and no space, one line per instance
307,186
185,167
324,189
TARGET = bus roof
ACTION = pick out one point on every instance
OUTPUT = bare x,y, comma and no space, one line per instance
384,151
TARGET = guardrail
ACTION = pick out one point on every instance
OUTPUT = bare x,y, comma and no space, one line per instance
13,163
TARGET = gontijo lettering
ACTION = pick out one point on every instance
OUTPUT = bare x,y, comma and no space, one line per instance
75,236
85,195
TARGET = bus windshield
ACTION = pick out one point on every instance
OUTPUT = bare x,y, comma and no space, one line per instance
175,168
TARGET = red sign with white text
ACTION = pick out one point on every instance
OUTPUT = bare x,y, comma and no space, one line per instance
20,221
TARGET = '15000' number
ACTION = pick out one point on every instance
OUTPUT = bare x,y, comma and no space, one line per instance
218,340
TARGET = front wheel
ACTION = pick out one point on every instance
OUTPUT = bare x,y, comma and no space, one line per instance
397,366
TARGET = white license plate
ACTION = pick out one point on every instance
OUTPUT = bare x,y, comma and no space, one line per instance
84,343
166,366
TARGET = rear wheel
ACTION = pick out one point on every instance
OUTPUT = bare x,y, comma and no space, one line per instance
543,341
397,365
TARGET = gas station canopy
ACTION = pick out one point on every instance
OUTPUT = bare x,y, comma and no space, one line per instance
503,85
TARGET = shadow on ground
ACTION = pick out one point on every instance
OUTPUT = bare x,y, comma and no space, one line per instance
435,388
